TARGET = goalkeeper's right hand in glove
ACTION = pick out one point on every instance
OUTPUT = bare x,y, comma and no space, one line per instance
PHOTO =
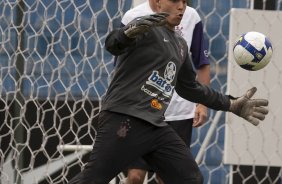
141,25
253,110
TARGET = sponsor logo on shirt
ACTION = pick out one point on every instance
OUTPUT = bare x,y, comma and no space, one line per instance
159,86
155,104
163,84
160,83
155,95
143,88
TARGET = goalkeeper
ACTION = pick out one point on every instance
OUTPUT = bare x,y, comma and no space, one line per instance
181,114
152,61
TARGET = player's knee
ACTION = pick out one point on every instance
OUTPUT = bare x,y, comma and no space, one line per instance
135,178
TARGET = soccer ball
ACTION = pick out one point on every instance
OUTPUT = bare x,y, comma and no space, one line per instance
252,51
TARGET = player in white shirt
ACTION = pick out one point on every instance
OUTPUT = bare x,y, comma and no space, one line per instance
180,114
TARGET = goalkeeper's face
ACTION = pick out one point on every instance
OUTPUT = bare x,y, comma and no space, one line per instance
175,8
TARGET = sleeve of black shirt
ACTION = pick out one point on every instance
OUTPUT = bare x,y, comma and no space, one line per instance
118,43
116,57
188,88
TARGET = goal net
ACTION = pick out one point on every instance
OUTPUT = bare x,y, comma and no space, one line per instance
54,71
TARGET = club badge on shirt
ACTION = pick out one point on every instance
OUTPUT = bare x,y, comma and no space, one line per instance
178,29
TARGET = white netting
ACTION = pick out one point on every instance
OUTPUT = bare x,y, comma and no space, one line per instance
54,71
216,19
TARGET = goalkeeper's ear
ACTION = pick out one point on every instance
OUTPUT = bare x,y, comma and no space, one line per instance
158,5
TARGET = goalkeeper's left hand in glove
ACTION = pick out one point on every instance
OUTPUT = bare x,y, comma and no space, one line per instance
141,25
253,110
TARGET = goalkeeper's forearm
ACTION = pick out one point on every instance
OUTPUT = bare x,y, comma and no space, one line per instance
252,110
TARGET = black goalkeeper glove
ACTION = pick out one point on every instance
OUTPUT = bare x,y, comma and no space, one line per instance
143,24
252,110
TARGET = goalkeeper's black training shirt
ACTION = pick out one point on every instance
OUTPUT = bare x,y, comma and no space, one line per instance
148,69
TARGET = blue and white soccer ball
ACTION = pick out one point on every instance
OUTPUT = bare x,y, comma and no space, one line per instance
252,51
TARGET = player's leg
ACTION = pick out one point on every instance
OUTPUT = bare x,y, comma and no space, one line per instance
135,176
119,141
160,181
137,171
173,160
183,128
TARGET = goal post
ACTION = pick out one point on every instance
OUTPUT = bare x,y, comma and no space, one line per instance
246,145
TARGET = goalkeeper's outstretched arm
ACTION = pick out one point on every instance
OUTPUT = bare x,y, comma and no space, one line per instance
252,110
119,40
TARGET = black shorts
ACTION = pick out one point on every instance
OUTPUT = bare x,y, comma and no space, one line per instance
122,139
182,127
